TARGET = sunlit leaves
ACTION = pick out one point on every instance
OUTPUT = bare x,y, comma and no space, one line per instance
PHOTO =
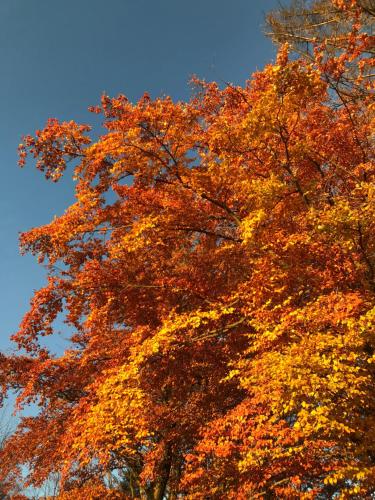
217,273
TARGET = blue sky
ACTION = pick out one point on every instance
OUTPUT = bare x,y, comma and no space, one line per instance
58,57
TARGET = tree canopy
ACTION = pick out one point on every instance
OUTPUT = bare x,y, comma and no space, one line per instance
217,274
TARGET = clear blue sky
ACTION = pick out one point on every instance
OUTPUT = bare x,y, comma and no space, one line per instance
58,56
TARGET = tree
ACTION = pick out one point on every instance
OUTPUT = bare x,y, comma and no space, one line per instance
9,486
217,273
338,35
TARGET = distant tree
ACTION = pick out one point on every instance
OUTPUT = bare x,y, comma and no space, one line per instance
217,271
338,33
10,486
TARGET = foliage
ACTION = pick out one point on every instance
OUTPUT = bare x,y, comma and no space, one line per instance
336,34
217,272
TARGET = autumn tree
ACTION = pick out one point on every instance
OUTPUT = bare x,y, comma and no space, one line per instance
217,272
338,35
